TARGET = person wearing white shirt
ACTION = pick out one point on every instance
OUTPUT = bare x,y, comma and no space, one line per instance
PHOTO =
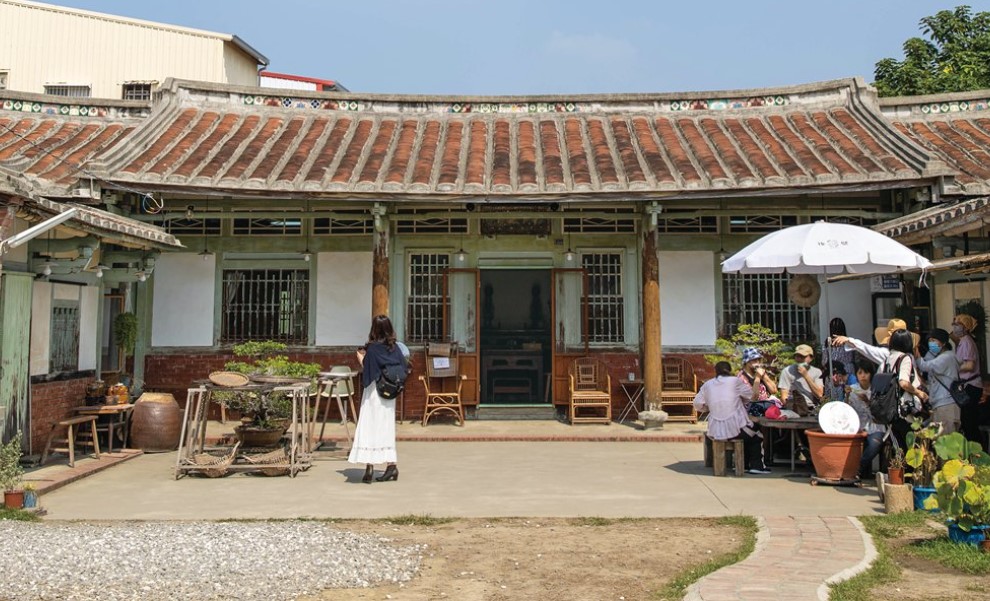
723,397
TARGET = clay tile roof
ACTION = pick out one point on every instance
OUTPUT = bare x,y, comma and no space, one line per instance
204,136
949,219
117,228
953,127
48,139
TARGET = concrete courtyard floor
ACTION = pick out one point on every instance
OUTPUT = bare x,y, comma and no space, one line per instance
538,469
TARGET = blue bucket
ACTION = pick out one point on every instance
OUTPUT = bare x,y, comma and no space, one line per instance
973,537
920,494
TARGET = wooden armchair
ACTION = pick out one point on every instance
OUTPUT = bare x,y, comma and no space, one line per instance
680,385
442,382
590,391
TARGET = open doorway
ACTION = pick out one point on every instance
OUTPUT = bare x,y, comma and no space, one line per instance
515,336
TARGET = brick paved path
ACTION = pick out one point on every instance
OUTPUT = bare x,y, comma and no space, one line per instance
795,558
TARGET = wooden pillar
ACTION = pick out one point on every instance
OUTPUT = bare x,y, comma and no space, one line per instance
652,381
379,268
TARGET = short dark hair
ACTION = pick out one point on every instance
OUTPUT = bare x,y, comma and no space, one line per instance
902,341
722,368
867,366
839,368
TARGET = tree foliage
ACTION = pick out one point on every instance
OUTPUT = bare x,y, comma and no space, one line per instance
776,354
955,57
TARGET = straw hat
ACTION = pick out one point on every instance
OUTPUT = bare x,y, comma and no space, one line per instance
803,290
882,334
967,321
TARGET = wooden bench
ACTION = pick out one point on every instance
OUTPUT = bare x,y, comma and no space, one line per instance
72,430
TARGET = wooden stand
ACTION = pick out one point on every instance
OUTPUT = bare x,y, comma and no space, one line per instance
898,498
719,450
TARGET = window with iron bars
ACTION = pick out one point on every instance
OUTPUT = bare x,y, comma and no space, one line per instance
265,304
762,299
426,299
136,91
605,301
65,336
68,91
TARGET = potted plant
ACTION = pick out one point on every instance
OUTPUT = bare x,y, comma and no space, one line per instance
30,496
266,413
895,465
11,473
962,489
774,351
922,459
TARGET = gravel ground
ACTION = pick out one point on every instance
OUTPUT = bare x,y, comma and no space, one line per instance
202,560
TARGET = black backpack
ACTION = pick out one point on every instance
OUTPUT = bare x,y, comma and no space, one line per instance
885,396
391,381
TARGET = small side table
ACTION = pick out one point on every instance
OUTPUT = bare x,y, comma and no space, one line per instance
118,420
633,390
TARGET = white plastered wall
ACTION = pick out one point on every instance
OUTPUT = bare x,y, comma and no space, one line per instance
343,298
89,304
184,298
851,300
687,298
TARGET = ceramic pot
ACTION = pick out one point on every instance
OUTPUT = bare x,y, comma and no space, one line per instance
156,423
985,545
975,536
13,499
895,475
920,494
254,436
836,456
30,499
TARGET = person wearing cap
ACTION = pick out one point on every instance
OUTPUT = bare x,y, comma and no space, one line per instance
942,367
755,375
968,355
724,397
801,380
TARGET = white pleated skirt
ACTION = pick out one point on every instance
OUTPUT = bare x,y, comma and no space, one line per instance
374,437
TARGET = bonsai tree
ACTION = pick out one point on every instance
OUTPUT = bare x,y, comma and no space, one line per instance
10,464
776,355
962,486
265,410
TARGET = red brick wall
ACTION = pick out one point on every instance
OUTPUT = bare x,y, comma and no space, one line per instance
53,401
175,373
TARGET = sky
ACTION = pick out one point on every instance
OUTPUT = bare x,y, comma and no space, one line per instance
556,46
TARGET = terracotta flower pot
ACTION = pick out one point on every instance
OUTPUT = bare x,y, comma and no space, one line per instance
836,456
13,499
985,545
895,475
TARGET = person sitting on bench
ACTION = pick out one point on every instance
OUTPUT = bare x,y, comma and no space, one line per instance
723,397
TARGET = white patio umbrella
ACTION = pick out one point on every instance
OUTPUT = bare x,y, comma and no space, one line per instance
825,248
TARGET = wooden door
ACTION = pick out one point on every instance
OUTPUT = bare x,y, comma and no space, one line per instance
569,305
461,289
15,317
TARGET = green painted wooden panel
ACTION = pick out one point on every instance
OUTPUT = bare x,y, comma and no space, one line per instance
15,349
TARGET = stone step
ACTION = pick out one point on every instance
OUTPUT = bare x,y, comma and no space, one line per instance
515,412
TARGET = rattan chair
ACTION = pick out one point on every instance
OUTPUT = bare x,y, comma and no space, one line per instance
590,392
680,386
442,382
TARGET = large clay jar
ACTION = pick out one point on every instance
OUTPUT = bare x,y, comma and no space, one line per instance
156,423
836,456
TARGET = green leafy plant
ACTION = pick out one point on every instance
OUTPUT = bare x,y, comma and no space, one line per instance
266,410
125,327
962,485
10,464
776,353
921,452
895,458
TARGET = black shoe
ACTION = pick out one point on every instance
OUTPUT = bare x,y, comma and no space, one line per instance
391,473
368,475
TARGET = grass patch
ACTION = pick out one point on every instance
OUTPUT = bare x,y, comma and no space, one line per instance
415,520
674,590
17,515
965,558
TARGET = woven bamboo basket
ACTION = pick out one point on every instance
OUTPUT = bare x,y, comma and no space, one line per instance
276,463
229,378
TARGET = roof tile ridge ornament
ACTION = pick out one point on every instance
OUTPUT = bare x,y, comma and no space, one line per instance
927,105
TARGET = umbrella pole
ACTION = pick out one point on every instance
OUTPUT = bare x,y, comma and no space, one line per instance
823,326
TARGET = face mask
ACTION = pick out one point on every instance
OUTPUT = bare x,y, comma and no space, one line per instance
958,329
934,348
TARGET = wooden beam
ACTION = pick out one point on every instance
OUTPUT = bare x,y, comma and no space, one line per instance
652,381
379,271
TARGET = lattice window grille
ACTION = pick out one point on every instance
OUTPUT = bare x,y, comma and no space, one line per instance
688,225
850,220
340,225
762,299
289,225
65,336
136,91
433,225
623,223
426,299
265,304
187,227
605,301
760,223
